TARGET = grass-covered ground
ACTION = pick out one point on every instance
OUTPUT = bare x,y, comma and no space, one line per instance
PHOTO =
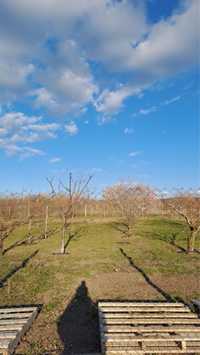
100,264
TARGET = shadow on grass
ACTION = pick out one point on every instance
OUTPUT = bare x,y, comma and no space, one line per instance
171,240
13,271
18,243
123,228
147,278
163,221
71,237
78,325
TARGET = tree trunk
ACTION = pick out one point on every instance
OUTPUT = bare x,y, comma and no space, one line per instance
29,226
85,210
191,241
1,246
62,249
9,212
46,222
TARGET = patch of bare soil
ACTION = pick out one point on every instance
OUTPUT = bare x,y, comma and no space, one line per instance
185,285
75,330
132,286
121,285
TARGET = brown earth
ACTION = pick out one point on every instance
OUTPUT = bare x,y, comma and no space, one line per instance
73,329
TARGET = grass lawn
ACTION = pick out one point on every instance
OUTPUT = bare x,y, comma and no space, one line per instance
100,264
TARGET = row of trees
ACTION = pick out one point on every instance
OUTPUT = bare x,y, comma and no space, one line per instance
137,200
18,207
126,201
64,194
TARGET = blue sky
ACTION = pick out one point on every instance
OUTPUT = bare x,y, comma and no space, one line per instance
103,87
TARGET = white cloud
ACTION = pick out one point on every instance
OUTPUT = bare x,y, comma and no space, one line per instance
171,45
50,45
67,84
148,110
21,151
128,130
99,21
71,128
152,109
117,25
43,98
134,154
171,101
17,130
55,160
109,102
14,76
63,76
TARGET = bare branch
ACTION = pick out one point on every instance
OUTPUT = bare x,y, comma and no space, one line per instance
51,184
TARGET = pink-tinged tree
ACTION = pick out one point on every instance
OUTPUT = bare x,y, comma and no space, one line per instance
130,201
187,206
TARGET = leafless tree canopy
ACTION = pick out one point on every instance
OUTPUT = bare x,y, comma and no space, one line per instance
43,215
187,206
72,190
130,200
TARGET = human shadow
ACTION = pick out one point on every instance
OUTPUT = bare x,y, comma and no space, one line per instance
14,270
78,325
147,278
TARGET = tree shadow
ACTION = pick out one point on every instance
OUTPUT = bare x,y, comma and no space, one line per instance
171,240
18,243
27,241
147,278
72,236
123,228
17,268
78,325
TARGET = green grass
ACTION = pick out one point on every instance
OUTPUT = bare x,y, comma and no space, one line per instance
166,258
94,250
50,279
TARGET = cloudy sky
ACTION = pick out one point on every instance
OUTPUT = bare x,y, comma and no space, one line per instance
108,87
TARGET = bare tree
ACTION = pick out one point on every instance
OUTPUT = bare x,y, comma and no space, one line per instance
187,206
131,201
72,191
46,221
6,229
